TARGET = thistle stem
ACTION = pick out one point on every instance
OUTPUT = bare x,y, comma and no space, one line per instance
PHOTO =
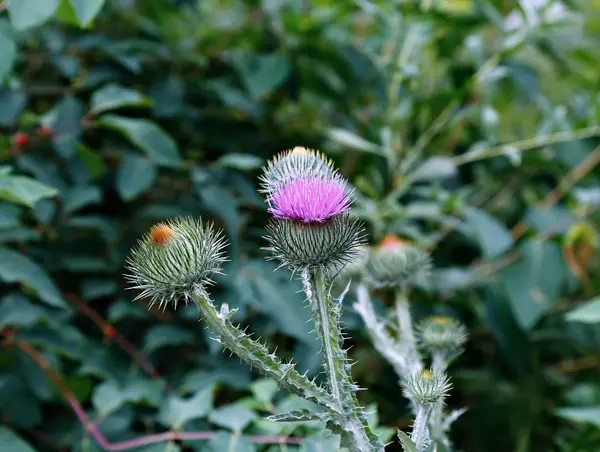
406,334
256,355
326,312
439,364
420,432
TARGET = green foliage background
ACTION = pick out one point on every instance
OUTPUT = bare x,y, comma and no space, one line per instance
467,126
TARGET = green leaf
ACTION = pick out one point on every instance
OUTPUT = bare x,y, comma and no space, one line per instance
14,267
534,282
435,168
242,162
113,96
17,310
135,176
264,389
80,197
9,50
148,136
589,312
110,395
493,237
86,10
349,139
233,417
262,74
176,411
586,415
225,442
407,444
166,335
321,443
23,190
10,441
299,416
29,13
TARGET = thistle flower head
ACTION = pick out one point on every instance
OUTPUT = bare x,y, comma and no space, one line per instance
175,259
426,387
441,334
395,262
297,163
311,228
310,200
315,246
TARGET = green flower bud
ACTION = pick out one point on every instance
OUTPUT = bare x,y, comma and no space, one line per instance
426,387
395,262
441,334
175,259
328,246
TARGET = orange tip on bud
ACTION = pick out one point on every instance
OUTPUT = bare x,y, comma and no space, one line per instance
161,233
392,241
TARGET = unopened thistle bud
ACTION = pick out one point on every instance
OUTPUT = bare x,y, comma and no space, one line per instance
311,228
426,387
441,334
174,259
395,262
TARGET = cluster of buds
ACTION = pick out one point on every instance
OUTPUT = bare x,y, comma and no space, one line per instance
311,228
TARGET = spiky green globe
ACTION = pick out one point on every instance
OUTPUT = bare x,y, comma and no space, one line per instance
328,246
175,259
441,334
426,387
395,265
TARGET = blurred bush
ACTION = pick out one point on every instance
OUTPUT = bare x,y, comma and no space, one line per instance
468,126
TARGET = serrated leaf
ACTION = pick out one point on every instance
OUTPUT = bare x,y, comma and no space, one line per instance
14,267
29,13
588,312
113,96
148,136
135,176
299,416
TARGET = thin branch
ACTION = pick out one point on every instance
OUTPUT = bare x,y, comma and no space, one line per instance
111,333
528,144
93,430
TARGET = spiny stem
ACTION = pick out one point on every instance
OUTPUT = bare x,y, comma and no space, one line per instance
420,432
356,433
406,333
256,355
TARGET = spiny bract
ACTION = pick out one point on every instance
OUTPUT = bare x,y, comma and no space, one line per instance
175,259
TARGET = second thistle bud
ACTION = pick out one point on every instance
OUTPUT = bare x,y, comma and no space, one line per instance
175,259
426,387
395,262
441,334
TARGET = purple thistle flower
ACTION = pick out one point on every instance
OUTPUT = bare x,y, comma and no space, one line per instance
312,200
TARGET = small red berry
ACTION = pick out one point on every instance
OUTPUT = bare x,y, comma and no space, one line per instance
110,332
45,131
21,139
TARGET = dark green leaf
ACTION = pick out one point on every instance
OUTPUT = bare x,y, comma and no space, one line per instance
492,236
10,441
583,415
589,312
86,10
14,267
176,411
149,137
135,176
232,417
262,73
23,190
166,335
112,97
9,50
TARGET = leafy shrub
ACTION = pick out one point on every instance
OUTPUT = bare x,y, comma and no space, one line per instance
468,127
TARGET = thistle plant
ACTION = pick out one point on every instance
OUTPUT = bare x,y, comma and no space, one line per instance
312,235
395,265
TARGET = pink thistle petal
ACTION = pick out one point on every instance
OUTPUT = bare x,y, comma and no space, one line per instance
311,200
